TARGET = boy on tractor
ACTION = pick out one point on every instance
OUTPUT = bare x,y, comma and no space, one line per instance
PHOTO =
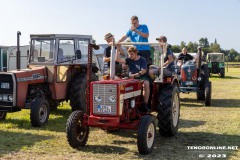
138,69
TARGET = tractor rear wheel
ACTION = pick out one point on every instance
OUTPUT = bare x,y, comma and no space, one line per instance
39,112
3,116
77,93
168,110
208,96
146,135
200,95
77,133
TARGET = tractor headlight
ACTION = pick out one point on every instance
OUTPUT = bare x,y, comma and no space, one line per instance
1,97
5,97
97,98
10,98
112,99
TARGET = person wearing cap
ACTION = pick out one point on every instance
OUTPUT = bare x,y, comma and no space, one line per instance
138,69
168,60
139,33
118,67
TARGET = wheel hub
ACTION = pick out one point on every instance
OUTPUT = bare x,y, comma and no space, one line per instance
43,113
150,135
175,110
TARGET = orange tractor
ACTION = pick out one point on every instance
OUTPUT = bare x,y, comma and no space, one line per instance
56,72
116,104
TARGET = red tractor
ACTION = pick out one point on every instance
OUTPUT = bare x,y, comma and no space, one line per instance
116,104
56,72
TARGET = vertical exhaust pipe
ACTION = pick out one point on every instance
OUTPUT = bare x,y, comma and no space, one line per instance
18,53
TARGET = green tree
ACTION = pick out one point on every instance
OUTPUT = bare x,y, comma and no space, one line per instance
176,48
232,54
215,47
237,58
190,47
203,42
182,45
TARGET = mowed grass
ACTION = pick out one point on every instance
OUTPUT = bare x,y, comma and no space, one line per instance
217,125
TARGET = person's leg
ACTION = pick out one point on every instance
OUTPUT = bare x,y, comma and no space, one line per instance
146,91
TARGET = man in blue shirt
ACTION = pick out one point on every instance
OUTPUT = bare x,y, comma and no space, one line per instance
139,33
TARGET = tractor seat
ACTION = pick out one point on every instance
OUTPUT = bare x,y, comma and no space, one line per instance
156,71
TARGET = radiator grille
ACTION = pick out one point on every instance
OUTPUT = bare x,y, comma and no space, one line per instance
104,91
5,78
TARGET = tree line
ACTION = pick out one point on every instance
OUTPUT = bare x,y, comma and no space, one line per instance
230,55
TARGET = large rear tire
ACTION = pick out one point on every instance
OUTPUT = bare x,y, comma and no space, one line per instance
3,116
77,134
39,112
77,94
208,94
146,135
168,110
200,95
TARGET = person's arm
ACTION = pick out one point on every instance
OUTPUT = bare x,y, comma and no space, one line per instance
144,33
120,50
118,59
122,39
106,59
170,60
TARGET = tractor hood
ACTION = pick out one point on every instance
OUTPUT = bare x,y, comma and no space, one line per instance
31,75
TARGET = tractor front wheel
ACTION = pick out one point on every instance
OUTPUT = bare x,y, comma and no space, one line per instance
3,116
39,112
146,135
168,110
77,133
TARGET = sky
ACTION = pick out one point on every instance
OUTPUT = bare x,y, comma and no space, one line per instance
178,20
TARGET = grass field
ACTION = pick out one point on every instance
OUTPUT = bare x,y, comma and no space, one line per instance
217,125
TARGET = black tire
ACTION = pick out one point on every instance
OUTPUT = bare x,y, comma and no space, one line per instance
39,112
208,94
3,116
77,93
222,73
168,110
146,135
200,95
77,135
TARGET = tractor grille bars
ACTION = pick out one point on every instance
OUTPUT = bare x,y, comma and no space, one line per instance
101,95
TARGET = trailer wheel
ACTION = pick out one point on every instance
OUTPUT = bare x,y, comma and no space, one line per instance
208,96
3,116
146,135
168,110
77,133
39,112
77,94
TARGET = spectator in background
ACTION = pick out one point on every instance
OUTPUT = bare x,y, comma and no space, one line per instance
168,60
118,67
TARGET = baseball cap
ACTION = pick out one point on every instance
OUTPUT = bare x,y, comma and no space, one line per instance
162,38
108,35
